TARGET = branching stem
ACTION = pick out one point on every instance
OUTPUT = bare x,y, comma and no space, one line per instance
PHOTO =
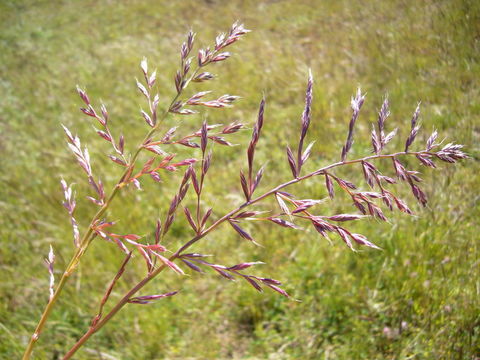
93,329
89,234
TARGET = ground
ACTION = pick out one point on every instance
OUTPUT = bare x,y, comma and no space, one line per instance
415,299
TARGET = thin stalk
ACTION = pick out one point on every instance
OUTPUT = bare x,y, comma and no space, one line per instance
122,302
89,235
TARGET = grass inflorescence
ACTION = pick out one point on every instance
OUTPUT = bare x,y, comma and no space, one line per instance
396,299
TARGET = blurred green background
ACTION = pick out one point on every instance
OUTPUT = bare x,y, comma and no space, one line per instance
416,299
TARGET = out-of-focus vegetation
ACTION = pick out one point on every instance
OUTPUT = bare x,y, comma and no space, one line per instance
416,299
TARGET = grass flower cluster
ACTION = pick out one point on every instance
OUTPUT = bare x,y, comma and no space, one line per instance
292,212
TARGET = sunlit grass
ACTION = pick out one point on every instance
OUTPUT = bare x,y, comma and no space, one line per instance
352,305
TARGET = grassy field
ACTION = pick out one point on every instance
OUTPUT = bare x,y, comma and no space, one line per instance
416,299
